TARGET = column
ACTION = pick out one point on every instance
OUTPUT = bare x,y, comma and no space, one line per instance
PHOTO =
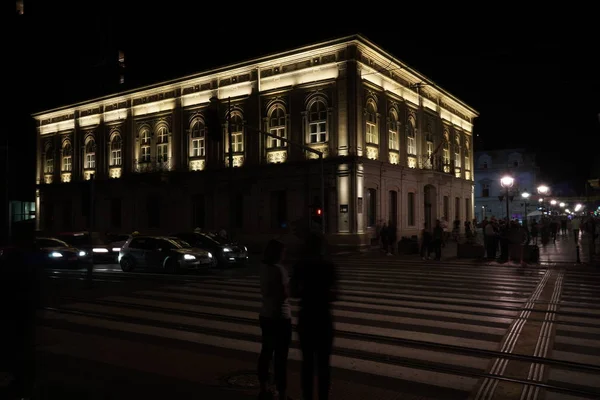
177,132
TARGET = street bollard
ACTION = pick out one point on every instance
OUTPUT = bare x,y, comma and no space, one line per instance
578,259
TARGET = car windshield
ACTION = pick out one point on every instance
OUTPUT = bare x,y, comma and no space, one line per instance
178,243
216,238
79,239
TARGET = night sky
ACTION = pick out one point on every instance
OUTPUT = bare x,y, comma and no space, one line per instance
534,87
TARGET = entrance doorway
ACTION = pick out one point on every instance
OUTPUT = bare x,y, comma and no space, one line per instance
430,205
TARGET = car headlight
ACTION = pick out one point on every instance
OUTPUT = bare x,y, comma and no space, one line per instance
55,254
81,253
226,250
245,249
189,257
210,255
100,250
116,249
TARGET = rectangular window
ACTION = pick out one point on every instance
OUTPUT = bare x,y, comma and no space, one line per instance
278,209
411,148
410,204
237,142
429,149
277,131
153,211
115,213
318,132
67,163
371,208
161,152
393,207
446,208
198,211
67,208
467,209
145,156
90,160
238,211
485,190
457,208
115,157
198,147
371,133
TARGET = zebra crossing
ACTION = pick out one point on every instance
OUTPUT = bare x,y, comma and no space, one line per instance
435,327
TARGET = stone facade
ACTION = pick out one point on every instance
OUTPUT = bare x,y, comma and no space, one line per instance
396,147
490,167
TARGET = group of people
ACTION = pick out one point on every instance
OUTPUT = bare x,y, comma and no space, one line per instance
313,282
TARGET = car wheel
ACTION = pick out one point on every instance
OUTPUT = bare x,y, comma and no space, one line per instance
171,266
126,264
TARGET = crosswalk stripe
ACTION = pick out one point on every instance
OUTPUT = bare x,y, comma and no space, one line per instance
381,313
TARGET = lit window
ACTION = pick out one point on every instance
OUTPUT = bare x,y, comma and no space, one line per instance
145,153
162,144
49,164
67,157
457,153
411,144
198,140
317,122
277,128
467,156
90,154
371,127
393,131
115,151
237,134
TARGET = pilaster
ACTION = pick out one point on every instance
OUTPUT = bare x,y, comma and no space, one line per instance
178,134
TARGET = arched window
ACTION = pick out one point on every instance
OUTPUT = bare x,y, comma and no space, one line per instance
90,154
317,122
467,155
237,133
411,142
49,159
145,151
116,146
198,139
446,150
162,144
429,141
372,135
393,131
276,127
67,156
457,152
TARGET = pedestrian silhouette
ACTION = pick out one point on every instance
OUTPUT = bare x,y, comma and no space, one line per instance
275,320
314,282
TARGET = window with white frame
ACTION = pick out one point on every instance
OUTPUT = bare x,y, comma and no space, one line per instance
90,154
394,143
198,139
429,142
411,143
446,149
67,157
49,156
145,150
162,144
467,156
276,127
372,135
237,134
317,122
457,152
115,151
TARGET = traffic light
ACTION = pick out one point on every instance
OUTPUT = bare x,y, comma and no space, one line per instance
213,120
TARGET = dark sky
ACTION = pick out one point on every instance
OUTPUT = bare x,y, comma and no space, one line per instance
534,87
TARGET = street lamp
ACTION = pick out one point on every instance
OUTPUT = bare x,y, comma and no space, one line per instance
543,191
525,197
507,182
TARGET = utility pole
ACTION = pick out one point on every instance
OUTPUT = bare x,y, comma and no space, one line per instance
90,267
231,184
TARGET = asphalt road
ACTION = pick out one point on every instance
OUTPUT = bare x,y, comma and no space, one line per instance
404,330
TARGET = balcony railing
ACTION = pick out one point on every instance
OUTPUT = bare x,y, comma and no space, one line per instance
159,164
437,164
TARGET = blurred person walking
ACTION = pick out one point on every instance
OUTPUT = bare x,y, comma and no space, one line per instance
314,282
275,320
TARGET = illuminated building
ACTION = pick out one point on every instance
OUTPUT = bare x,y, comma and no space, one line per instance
397,147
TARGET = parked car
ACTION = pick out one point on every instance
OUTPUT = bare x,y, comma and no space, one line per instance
49,253
227,252
162,252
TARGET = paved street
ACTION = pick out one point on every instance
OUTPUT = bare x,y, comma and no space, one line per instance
404,330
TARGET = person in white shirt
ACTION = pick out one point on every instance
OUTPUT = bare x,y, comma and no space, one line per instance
275,319
575,225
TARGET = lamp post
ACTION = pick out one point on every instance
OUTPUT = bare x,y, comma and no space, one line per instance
543,191
525,197
507,182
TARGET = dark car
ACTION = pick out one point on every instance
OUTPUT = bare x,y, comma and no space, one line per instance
227,253
162,252
95,245
49,253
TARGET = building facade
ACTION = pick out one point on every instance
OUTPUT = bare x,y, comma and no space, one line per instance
396,148
490,167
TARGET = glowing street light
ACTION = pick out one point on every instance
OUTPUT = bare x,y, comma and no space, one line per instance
553,202
562,205
525,197
507,182
543,190
578,207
